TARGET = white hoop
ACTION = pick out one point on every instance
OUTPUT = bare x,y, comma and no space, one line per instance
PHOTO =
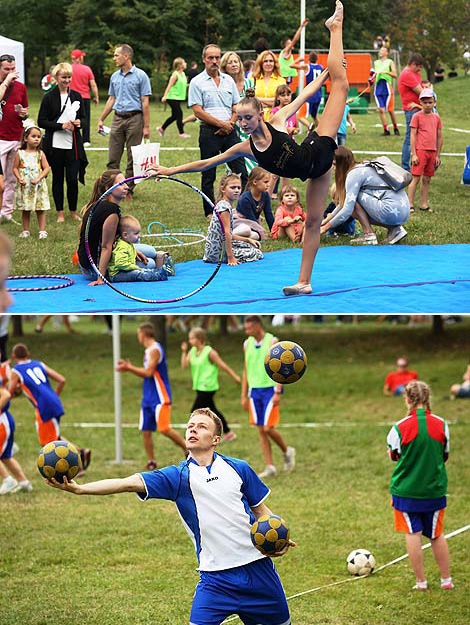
200,238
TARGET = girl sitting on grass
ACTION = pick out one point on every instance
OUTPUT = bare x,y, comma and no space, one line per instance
240,248
254,202
290,216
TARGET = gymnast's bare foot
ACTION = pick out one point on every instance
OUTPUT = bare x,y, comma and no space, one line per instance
336,20
298,289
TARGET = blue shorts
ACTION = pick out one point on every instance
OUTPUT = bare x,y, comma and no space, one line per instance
429,523
261,408
253,591
384,95
464,391
7,432
155,417
313,108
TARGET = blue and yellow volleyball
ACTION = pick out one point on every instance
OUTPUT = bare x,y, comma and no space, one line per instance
285,362
58,459
269,533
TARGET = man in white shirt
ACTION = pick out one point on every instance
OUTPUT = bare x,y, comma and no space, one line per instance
213,97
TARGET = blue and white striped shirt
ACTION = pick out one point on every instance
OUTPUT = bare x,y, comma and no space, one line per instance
215,100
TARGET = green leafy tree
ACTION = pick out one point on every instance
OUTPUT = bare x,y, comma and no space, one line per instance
39,25
437,30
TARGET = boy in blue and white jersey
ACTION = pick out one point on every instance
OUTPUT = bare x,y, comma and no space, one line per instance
155,410
218,498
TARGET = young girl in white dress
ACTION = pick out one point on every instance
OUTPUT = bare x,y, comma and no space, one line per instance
240,248
30,169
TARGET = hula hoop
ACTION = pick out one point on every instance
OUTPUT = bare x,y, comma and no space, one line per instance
68,282
165,229
198,236
142,299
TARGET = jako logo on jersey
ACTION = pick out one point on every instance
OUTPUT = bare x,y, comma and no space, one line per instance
211,479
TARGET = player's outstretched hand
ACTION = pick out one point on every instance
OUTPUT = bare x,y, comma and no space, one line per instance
123,365
158,170
70,486
278,554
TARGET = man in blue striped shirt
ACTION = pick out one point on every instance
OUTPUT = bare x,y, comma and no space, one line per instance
213,97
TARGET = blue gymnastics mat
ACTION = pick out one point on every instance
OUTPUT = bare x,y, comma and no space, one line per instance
371,279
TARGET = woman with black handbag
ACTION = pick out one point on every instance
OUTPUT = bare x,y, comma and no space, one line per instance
61,115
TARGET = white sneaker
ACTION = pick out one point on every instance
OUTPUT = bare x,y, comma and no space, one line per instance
8,485
270,471
289,459
24,234
43,234
87,144
15,449
365,239
395,234
24,486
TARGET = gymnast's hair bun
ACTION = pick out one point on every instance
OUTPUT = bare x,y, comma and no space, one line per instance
250,93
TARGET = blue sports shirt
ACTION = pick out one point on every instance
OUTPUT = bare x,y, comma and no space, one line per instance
214,504
37,388
128,89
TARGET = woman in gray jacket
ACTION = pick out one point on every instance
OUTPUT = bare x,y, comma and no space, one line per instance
362,193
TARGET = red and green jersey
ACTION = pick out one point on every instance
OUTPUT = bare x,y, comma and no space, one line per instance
420,441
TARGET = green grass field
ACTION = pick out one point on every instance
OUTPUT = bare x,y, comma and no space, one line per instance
112,560
179,208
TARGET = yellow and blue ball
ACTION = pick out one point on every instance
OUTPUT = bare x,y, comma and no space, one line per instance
58,459
285,362
269,533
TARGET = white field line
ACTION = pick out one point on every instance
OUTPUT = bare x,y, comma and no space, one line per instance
325,424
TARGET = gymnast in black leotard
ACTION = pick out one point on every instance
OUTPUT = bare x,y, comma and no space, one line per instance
284,157
278,153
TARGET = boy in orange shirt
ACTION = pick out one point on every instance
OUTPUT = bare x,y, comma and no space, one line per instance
426,146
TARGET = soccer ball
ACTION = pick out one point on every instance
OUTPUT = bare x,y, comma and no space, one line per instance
285,362
269,533
361,562
59,459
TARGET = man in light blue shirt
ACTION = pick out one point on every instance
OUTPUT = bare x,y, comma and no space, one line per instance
128,96
213,97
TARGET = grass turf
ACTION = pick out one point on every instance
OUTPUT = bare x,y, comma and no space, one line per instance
180,208
110,560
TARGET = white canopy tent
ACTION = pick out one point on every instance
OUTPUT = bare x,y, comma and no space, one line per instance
16,49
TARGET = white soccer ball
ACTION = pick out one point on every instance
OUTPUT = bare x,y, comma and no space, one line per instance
360,562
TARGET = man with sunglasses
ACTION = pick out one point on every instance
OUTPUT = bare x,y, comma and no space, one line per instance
14,106
396,381
213,97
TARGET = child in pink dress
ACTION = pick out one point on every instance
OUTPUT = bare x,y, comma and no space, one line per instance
290,216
